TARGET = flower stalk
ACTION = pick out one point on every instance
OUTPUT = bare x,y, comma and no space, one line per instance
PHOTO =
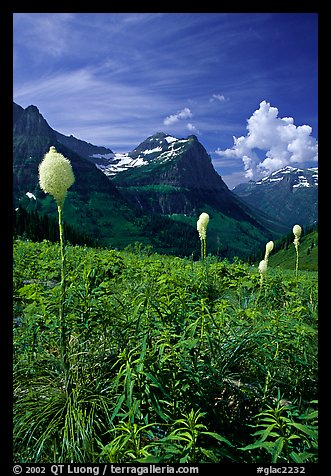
62,290
263,265
55,177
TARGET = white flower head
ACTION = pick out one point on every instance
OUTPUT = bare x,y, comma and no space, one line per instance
202,224
268,249
55,175
297,231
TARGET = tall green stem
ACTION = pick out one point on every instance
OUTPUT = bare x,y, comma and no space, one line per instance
62,296
297,260
203,248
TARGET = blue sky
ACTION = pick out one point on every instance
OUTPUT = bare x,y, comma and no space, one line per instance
245,84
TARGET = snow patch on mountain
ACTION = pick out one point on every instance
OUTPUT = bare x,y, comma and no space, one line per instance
170,139
302,177
168,149
152,151
120,162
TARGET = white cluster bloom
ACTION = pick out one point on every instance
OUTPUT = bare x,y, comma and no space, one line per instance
297,233
202,225
55,175
268,249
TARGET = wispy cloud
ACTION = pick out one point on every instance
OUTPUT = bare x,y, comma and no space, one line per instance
92,107
47,34
217,97
115,78
192,128
173,118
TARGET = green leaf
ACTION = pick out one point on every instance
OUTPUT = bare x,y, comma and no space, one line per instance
302,457
305,429
185,458
148,459
267,432
259,444
118,406
311,416
297,458
217,437
277,449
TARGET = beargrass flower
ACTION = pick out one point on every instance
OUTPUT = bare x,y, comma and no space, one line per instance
297,233
202,224
297,230
56,175
268,249
263,266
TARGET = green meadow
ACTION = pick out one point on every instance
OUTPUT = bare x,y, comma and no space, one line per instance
168,360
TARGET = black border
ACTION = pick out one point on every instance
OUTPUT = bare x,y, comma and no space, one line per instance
6,257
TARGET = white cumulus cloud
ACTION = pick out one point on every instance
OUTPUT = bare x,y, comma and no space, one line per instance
183,114
272,142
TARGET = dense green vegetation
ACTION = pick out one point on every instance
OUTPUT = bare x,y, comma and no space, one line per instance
169,359
161,233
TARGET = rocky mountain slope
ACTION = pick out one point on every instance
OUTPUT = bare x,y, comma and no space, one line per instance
94,205
171,175
289,194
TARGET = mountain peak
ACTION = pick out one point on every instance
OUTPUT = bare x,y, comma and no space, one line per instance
31,130
290,194
163,158
32,108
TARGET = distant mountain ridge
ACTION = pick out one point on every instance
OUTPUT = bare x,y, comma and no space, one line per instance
289,194
85,149
297,177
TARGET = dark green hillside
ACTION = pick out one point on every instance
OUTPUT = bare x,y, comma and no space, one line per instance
227,237
178,179
285,257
